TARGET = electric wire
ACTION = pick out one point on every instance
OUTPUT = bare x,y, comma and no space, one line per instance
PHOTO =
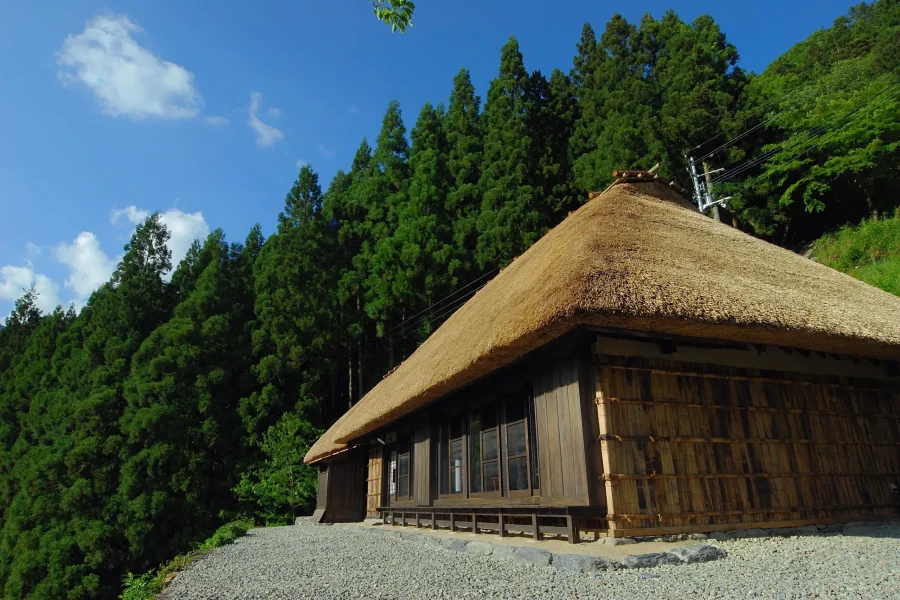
441,301
814,133
799,88
825,138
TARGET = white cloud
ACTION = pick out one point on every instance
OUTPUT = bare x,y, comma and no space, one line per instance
89,266
266,135
301,163
216,121
183,227
126,78
326,151
274,113
32,249
134,214
15,280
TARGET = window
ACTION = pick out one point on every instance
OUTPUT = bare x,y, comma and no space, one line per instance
456,455
400,470
403,470
490,444
484,450
451,452
475,452
392,475
517,441
491,450
533,445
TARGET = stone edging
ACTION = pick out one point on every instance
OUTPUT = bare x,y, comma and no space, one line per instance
577,563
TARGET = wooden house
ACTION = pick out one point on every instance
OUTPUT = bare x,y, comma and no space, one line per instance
640,370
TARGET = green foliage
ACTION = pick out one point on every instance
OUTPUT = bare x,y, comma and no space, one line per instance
282,483
511,217
144,587
869,251
151,583
130,431
829,112
396,13
226,534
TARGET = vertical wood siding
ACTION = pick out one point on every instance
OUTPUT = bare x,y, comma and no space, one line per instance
374,481
697,446
561,443
345,500
422,465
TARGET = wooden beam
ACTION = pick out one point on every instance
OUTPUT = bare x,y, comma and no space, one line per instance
572,530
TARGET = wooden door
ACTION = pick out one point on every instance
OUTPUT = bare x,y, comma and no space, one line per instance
373,482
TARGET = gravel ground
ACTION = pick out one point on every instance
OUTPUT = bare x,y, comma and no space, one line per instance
325,562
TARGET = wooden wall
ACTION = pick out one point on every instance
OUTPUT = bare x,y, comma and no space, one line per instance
374,481
423,467
700,447
561,441
342,490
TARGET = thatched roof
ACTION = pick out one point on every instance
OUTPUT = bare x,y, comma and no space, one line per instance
637,257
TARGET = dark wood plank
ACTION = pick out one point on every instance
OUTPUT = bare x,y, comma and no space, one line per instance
567,433
422,464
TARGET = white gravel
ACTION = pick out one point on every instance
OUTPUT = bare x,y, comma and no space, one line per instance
325,562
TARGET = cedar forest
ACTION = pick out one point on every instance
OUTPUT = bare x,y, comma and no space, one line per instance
185,395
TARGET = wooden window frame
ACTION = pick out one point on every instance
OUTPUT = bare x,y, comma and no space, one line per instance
444,424
406,445
496,395
490,399
526,423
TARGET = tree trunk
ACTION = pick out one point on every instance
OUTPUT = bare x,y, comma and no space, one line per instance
350,381
359,352
873,210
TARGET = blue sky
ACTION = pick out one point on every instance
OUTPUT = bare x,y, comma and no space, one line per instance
113,109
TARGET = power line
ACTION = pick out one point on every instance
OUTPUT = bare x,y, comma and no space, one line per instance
441,301
793,93
822,140
814,133
752,129
408,327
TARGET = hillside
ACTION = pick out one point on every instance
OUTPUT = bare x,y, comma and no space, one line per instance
185,395
869,251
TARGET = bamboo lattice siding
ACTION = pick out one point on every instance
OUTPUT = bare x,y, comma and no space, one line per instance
688,445
373,482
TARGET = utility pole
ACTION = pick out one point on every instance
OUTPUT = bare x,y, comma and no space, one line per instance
703,195
709,199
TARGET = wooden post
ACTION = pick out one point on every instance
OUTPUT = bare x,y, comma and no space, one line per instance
500,524
608,455
433,521
403,518
417,519
452,521
572,528
536,529
474,523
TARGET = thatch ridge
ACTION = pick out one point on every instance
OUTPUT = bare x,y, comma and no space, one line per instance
638,257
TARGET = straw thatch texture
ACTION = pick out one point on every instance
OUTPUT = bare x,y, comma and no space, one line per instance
637,257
